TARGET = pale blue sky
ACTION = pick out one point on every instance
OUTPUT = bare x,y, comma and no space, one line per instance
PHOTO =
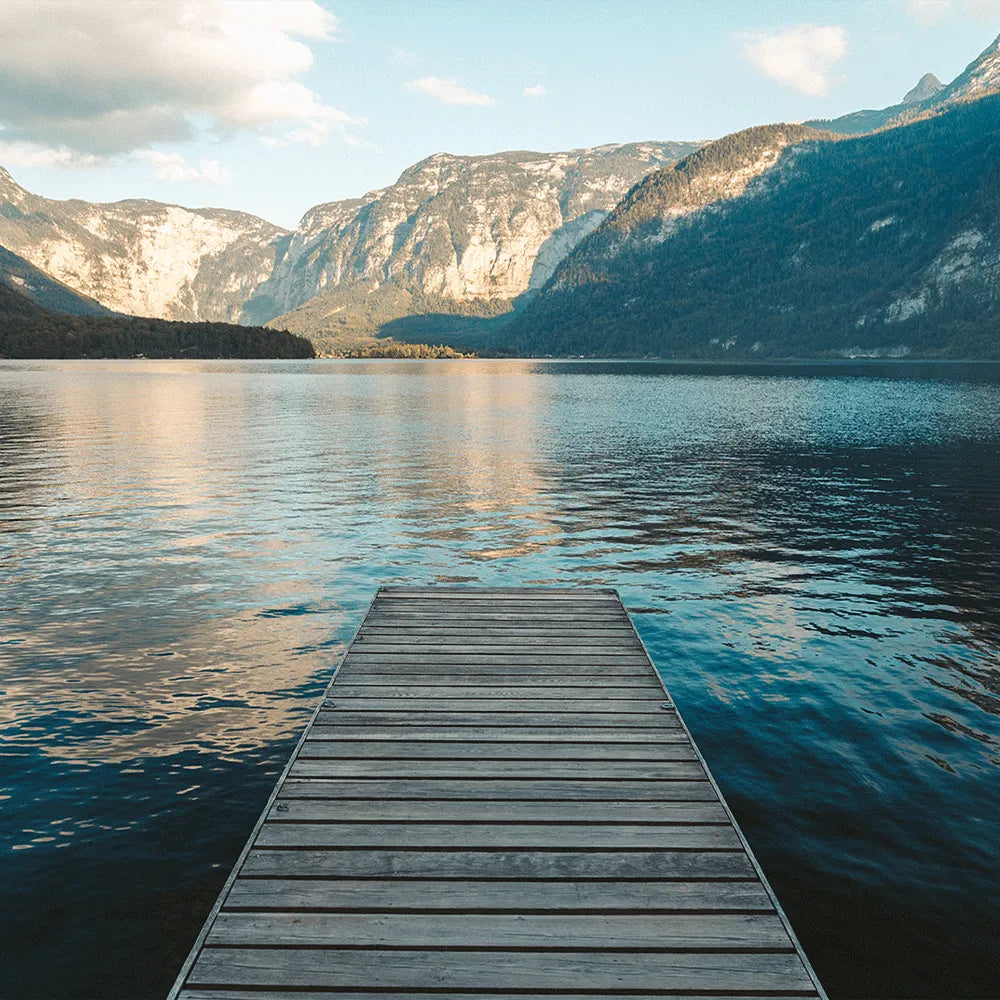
207,103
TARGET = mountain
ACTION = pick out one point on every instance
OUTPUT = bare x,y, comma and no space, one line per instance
143,257
928,86
784,241
979,78
454,235
26,281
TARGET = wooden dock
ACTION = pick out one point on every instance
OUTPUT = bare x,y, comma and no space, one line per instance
496,798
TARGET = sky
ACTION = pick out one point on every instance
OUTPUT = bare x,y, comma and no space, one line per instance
273,107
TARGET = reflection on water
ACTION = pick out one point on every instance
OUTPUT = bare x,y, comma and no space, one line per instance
811,553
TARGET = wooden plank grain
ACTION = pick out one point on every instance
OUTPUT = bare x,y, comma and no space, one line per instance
475,770
386,894
499,789
289,809
564,932
595,736
456,703
523,836
380,994
406,749
525,683
492,969
510,864
653,720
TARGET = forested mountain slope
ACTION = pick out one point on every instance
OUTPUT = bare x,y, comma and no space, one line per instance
883,244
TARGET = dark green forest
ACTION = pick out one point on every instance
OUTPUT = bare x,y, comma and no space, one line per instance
29,331
806,265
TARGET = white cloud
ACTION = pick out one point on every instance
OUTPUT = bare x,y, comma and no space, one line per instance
538,90
174,168
800,57
30,154
448,91
115,77
930,12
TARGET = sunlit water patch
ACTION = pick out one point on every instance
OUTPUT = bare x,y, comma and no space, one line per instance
812,555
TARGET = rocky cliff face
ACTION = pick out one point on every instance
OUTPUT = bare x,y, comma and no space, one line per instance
142,257
454,233
28,283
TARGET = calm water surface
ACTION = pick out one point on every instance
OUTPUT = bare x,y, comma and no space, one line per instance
812,555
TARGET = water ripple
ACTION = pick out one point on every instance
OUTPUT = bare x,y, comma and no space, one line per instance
812,554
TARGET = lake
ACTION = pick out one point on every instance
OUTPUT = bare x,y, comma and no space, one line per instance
810,552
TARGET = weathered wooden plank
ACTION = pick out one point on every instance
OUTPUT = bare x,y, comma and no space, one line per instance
648,720
387,603
612,706
500,789
472,607
590,735
388,894
508,970
501,618
505,864
381,750
604,665
431,670
489,811
534,590
529,644
378,994
514,634
508,595
315,766
523,836
687,932
527,684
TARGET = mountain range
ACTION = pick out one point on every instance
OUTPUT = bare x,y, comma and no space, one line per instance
871,233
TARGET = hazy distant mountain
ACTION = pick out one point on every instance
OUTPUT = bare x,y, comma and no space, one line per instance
142,257
785,241
979,78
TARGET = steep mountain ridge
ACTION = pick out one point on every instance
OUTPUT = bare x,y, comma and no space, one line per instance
453,234
142,257
980,78
881,244
927,87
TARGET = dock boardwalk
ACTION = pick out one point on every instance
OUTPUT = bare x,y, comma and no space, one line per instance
496,798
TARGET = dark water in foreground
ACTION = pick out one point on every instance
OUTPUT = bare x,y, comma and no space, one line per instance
811,554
